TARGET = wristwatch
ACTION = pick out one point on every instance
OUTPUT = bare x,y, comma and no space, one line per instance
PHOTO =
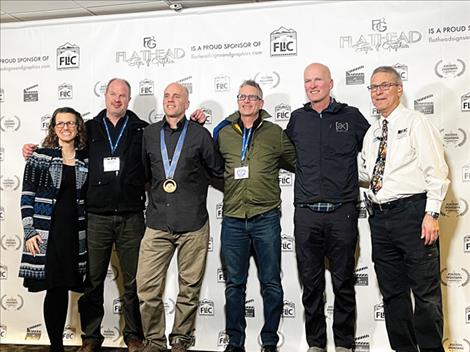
433,214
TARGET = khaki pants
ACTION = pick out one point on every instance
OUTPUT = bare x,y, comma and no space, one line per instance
156,250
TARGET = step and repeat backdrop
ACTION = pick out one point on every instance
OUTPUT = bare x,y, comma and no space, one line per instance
55,63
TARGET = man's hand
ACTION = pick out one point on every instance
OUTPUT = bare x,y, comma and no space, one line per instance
28,150
32,245
429,229
199,116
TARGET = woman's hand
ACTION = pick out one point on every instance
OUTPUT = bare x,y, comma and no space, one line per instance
32,245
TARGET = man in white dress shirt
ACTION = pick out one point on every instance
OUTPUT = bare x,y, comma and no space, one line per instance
403,160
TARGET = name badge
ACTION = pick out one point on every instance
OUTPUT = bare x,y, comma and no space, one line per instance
111,164
241,172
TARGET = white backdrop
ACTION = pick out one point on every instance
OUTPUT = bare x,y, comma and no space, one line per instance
45,65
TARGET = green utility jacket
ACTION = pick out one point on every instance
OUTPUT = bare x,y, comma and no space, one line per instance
269,150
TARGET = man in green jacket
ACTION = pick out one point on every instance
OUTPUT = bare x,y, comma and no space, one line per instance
254,150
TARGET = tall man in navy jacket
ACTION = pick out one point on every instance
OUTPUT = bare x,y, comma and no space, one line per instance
327,136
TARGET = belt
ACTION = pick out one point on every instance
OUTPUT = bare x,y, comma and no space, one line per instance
398,203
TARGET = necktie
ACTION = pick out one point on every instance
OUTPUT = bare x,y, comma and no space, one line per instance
377,175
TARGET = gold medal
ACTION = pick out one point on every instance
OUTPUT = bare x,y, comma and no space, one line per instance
169,186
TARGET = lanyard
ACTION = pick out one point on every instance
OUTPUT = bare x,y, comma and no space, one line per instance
171,168
114,147
245,141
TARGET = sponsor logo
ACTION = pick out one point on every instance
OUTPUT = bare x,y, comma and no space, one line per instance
282,112
222,83
361,276
3,331
146,87
186,82
287,243
208,113
267,79
155,116
466,173
374,112
111,333
220,275
379,314
10,242
449,69
456,277
329,311
250,309
33,332
11,303
355,78
10,123
210,245
361,207
283,42
285,178
3,272
150,55
222,339
169,305
45,121
9,183
31,94
380,39
455,208
99,89
65,91
206,307
280,343
465,102
448,33
288,310
69,332
68,56
402,70
466,244
219,210
454,138
456,346
361,343
117,305
2,95
112,273
467,315
425,104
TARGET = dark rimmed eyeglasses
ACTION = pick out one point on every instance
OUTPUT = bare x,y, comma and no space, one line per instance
250,97
62,124
382,87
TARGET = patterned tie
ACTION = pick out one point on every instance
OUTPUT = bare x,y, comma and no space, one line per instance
377,175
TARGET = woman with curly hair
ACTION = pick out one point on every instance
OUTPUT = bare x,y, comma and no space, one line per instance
53,213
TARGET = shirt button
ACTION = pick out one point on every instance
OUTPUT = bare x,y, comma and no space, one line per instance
167,204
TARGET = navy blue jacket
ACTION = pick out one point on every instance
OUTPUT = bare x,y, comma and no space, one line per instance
326,145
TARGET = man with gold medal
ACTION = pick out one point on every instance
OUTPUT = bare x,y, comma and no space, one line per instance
179,158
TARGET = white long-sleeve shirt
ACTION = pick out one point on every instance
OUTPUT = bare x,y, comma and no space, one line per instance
415,159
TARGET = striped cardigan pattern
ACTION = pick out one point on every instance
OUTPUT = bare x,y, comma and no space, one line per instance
41,184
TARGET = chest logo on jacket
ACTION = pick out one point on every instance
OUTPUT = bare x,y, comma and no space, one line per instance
342,127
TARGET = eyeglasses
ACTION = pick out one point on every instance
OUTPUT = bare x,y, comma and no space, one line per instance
383,86
69,124
250,97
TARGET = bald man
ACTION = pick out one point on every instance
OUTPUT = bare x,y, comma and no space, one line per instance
327,136
179,157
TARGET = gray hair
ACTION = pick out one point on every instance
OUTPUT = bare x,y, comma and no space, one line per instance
252,83
389,69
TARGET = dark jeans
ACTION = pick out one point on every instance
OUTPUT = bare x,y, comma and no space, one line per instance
334,236
260,236
403,264
126,232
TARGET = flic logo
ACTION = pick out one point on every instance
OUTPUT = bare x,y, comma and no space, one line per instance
283,42
68,56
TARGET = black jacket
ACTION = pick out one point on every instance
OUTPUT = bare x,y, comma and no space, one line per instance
326,145
111,192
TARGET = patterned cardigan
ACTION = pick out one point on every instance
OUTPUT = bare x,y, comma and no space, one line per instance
41,184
